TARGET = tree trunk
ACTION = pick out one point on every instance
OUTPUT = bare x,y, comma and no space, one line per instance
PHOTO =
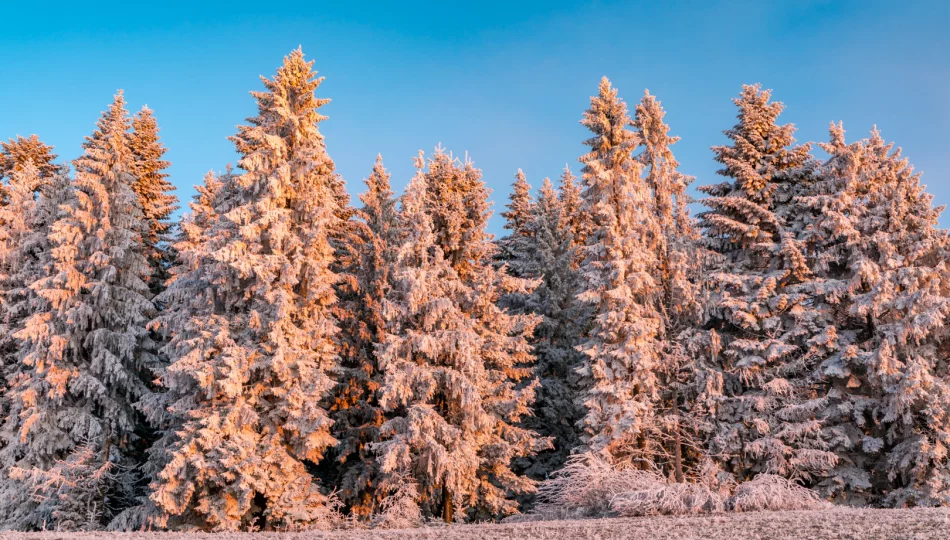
448,512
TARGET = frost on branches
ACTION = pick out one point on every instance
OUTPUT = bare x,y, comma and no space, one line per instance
767,414
87,357
455,364
624,343
254,346
883,263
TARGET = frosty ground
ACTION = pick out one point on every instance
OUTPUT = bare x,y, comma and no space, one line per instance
839,524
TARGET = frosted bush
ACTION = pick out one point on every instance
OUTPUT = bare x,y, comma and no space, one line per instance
587,484
670,499
398,509
773,492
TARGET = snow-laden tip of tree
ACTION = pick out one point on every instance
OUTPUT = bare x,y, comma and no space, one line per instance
249,310
623,345
762,321
454,363
154,192
355,409
17,153
87,357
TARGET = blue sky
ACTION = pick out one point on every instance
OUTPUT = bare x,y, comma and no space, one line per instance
504,81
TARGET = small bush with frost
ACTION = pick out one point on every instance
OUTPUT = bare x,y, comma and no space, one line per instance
773,492
670,499
586,486
398,509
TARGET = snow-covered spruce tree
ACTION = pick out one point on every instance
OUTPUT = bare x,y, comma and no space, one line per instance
623,344
680,263
16,153
883,264
455,364
87,357
355,409
552,258
761,321
253,349
154,192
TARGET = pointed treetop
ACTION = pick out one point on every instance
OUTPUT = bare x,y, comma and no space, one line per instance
761,147
108,146
612,142
519,208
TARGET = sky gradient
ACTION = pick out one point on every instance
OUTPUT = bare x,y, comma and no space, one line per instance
505,82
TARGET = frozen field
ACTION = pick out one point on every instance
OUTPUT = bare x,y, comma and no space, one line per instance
835,524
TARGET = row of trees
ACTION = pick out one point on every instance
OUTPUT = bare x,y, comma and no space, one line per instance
285,359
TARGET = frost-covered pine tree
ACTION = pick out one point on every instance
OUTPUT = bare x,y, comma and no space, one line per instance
154,192
455,364
883,265
87,357
680,263
249,310
761,321
355,410
552,259
623,343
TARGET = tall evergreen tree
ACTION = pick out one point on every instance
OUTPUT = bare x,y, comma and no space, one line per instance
552,258
252,367
154,192
623,344
882,260
454,362
766,414
680,260
87,355
356,411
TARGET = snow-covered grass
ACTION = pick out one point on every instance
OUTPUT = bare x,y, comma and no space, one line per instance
836,524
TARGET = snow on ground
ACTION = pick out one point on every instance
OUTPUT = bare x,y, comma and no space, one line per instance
837,524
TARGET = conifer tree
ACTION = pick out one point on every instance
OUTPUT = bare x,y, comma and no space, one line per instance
679,259
763,324
552,258
454,362
623,344
882,261
86,353
253,351
356,412
154,192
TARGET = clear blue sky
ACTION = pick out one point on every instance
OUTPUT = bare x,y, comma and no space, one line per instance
504,81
